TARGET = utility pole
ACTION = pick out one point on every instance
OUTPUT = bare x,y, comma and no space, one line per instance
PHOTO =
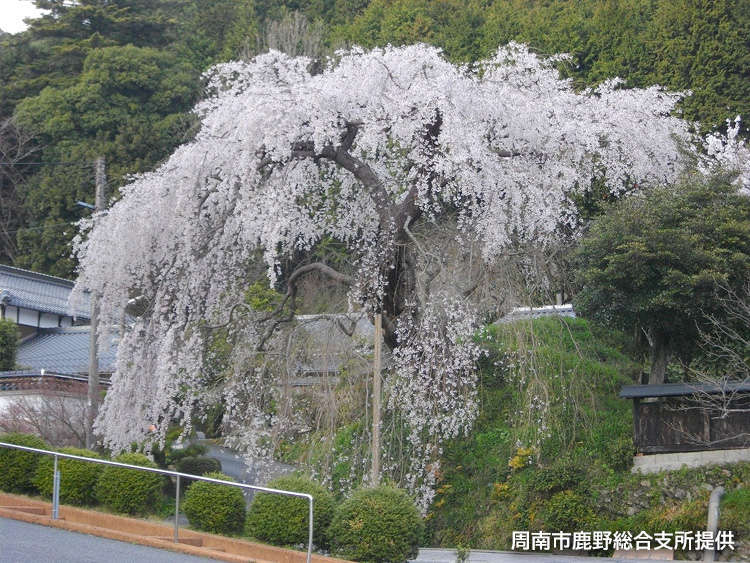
376,391
93,384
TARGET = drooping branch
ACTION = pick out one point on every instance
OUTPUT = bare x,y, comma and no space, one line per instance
276,317
317,267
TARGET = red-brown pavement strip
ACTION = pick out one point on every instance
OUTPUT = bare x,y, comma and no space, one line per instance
148,533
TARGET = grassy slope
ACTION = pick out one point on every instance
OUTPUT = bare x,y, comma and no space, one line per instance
552,448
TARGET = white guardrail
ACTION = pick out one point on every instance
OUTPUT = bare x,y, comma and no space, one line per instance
178,475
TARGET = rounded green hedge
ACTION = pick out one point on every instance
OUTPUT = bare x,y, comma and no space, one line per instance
283,520
196,465
213,507
379,525
77,478
130,491
17,467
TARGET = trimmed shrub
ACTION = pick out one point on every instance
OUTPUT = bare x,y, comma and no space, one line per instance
196,465
283,520
77,478
215,508
130,491
17,468
379,525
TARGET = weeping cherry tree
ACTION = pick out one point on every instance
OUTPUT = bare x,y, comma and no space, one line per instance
394,154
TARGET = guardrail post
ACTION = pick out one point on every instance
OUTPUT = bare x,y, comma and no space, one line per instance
310,531
177,510
55,491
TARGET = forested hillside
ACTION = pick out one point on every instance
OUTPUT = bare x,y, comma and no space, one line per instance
118,78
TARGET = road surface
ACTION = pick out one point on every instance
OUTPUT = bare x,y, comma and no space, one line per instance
22,542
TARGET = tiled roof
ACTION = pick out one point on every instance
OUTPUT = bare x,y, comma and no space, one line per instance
39,292
64,351
685,389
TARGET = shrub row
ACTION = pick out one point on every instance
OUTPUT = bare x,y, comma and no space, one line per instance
119,489
378,525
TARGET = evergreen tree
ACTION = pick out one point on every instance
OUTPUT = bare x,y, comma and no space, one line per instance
654,264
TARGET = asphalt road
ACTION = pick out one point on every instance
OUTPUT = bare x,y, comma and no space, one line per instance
21,542
429,555
233,464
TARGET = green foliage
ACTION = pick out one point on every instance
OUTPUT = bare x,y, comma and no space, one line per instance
570,444
284,520
685,45
735,508
126,105
17,467
9,338
77,478
196,465
171,455
668,518
215,508
130,491
562,474
379,525
567,511
557,378
656,261
261,297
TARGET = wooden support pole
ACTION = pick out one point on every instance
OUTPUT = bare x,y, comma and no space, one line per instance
93,383
376,392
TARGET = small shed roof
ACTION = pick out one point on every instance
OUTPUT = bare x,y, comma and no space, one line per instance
39,292
684,389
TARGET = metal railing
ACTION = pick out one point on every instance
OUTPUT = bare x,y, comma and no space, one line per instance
178,475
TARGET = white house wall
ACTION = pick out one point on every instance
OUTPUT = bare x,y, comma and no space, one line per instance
29,317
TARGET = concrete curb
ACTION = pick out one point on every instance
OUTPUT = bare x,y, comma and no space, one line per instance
132,530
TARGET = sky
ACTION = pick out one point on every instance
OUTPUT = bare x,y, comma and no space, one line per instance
12,13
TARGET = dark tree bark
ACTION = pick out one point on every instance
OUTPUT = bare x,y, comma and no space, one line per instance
660,356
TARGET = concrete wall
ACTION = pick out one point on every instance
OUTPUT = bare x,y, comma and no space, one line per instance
672,461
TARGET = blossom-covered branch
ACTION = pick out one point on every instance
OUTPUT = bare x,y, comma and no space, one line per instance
379,149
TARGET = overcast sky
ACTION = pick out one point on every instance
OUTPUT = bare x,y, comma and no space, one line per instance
12,13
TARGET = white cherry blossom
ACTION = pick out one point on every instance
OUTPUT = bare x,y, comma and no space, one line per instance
365,153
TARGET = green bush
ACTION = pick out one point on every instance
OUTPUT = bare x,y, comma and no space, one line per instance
175,449
560,475
215,508
283,520
17,467
379,525
567,511
130,491
77,478
196,465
